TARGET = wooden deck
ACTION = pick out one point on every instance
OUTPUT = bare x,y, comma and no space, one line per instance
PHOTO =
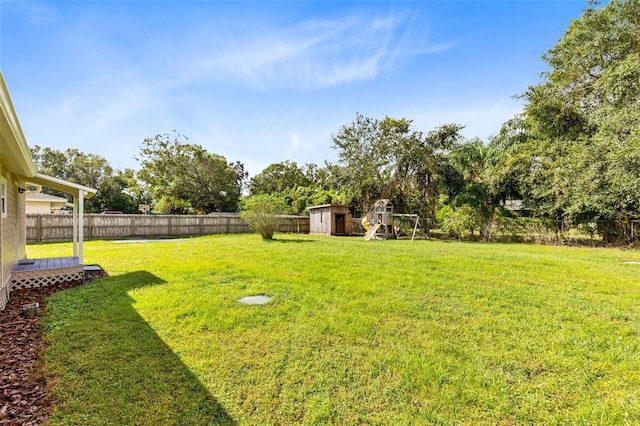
50,263
32,273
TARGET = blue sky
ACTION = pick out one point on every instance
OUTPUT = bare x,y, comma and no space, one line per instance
263,82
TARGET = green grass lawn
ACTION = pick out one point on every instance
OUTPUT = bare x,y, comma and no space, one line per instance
380,332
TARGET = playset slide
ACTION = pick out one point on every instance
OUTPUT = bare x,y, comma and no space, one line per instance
371,232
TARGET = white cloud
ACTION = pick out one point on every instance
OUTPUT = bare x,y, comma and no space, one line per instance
114,94
315,53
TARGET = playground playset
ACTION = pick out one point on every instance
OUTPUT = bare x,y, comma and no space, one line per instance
380,220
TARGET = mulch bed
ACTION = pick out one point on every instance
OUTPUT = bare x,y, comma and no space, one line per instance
23,389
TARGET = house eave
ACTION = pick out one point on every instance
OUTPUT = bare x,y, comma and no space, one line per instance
15,155
61,185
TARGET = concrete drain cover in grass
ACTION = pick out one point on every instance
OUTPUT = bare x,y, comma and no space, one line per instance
255,300
632,262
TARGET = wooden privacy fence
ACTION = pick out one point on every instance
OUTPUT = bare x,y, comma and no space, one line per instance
55,227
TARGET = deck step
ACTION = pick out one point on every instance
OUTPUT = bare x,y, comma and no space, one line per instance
33,273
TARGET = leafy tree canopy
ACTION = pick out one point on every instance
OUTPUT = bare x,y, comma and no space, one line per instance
390,159
279,177
93,171
187,177
583,119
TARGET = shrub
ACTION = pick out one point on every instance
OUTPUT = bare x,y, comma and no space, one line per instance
262,214
457,222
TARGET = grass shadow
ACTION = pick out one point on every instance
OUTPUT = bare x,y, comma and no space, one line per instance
109,366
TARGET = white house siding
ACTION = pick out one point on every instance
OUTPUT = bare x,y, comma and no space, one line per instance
22,221
14,234
8,246
17,166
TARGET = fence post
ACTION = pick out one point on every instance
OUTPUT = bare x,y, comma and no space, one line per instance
39,228
132,226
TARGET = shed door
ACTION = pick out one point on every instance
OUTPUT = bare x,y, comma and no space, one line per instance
340,224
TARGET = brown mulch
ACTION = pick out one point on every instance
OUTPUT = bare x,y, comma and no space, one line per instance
23,388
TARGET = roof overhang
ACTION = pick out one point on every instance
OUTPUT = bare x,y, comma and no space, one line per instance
61,185
324,206
15,155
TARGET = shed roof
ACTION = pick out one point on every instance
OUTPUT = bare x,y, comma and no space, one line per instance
327,205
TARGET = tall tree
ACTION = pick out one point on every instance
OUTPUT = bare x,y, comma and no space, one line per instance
119,192
435,173
187,177
511,161
279,177
90,170
296,187
475,160
72,165
363,162
390,159
584,119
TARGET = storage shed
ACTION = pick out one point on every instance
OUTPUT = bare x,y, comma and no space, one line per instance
330,219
